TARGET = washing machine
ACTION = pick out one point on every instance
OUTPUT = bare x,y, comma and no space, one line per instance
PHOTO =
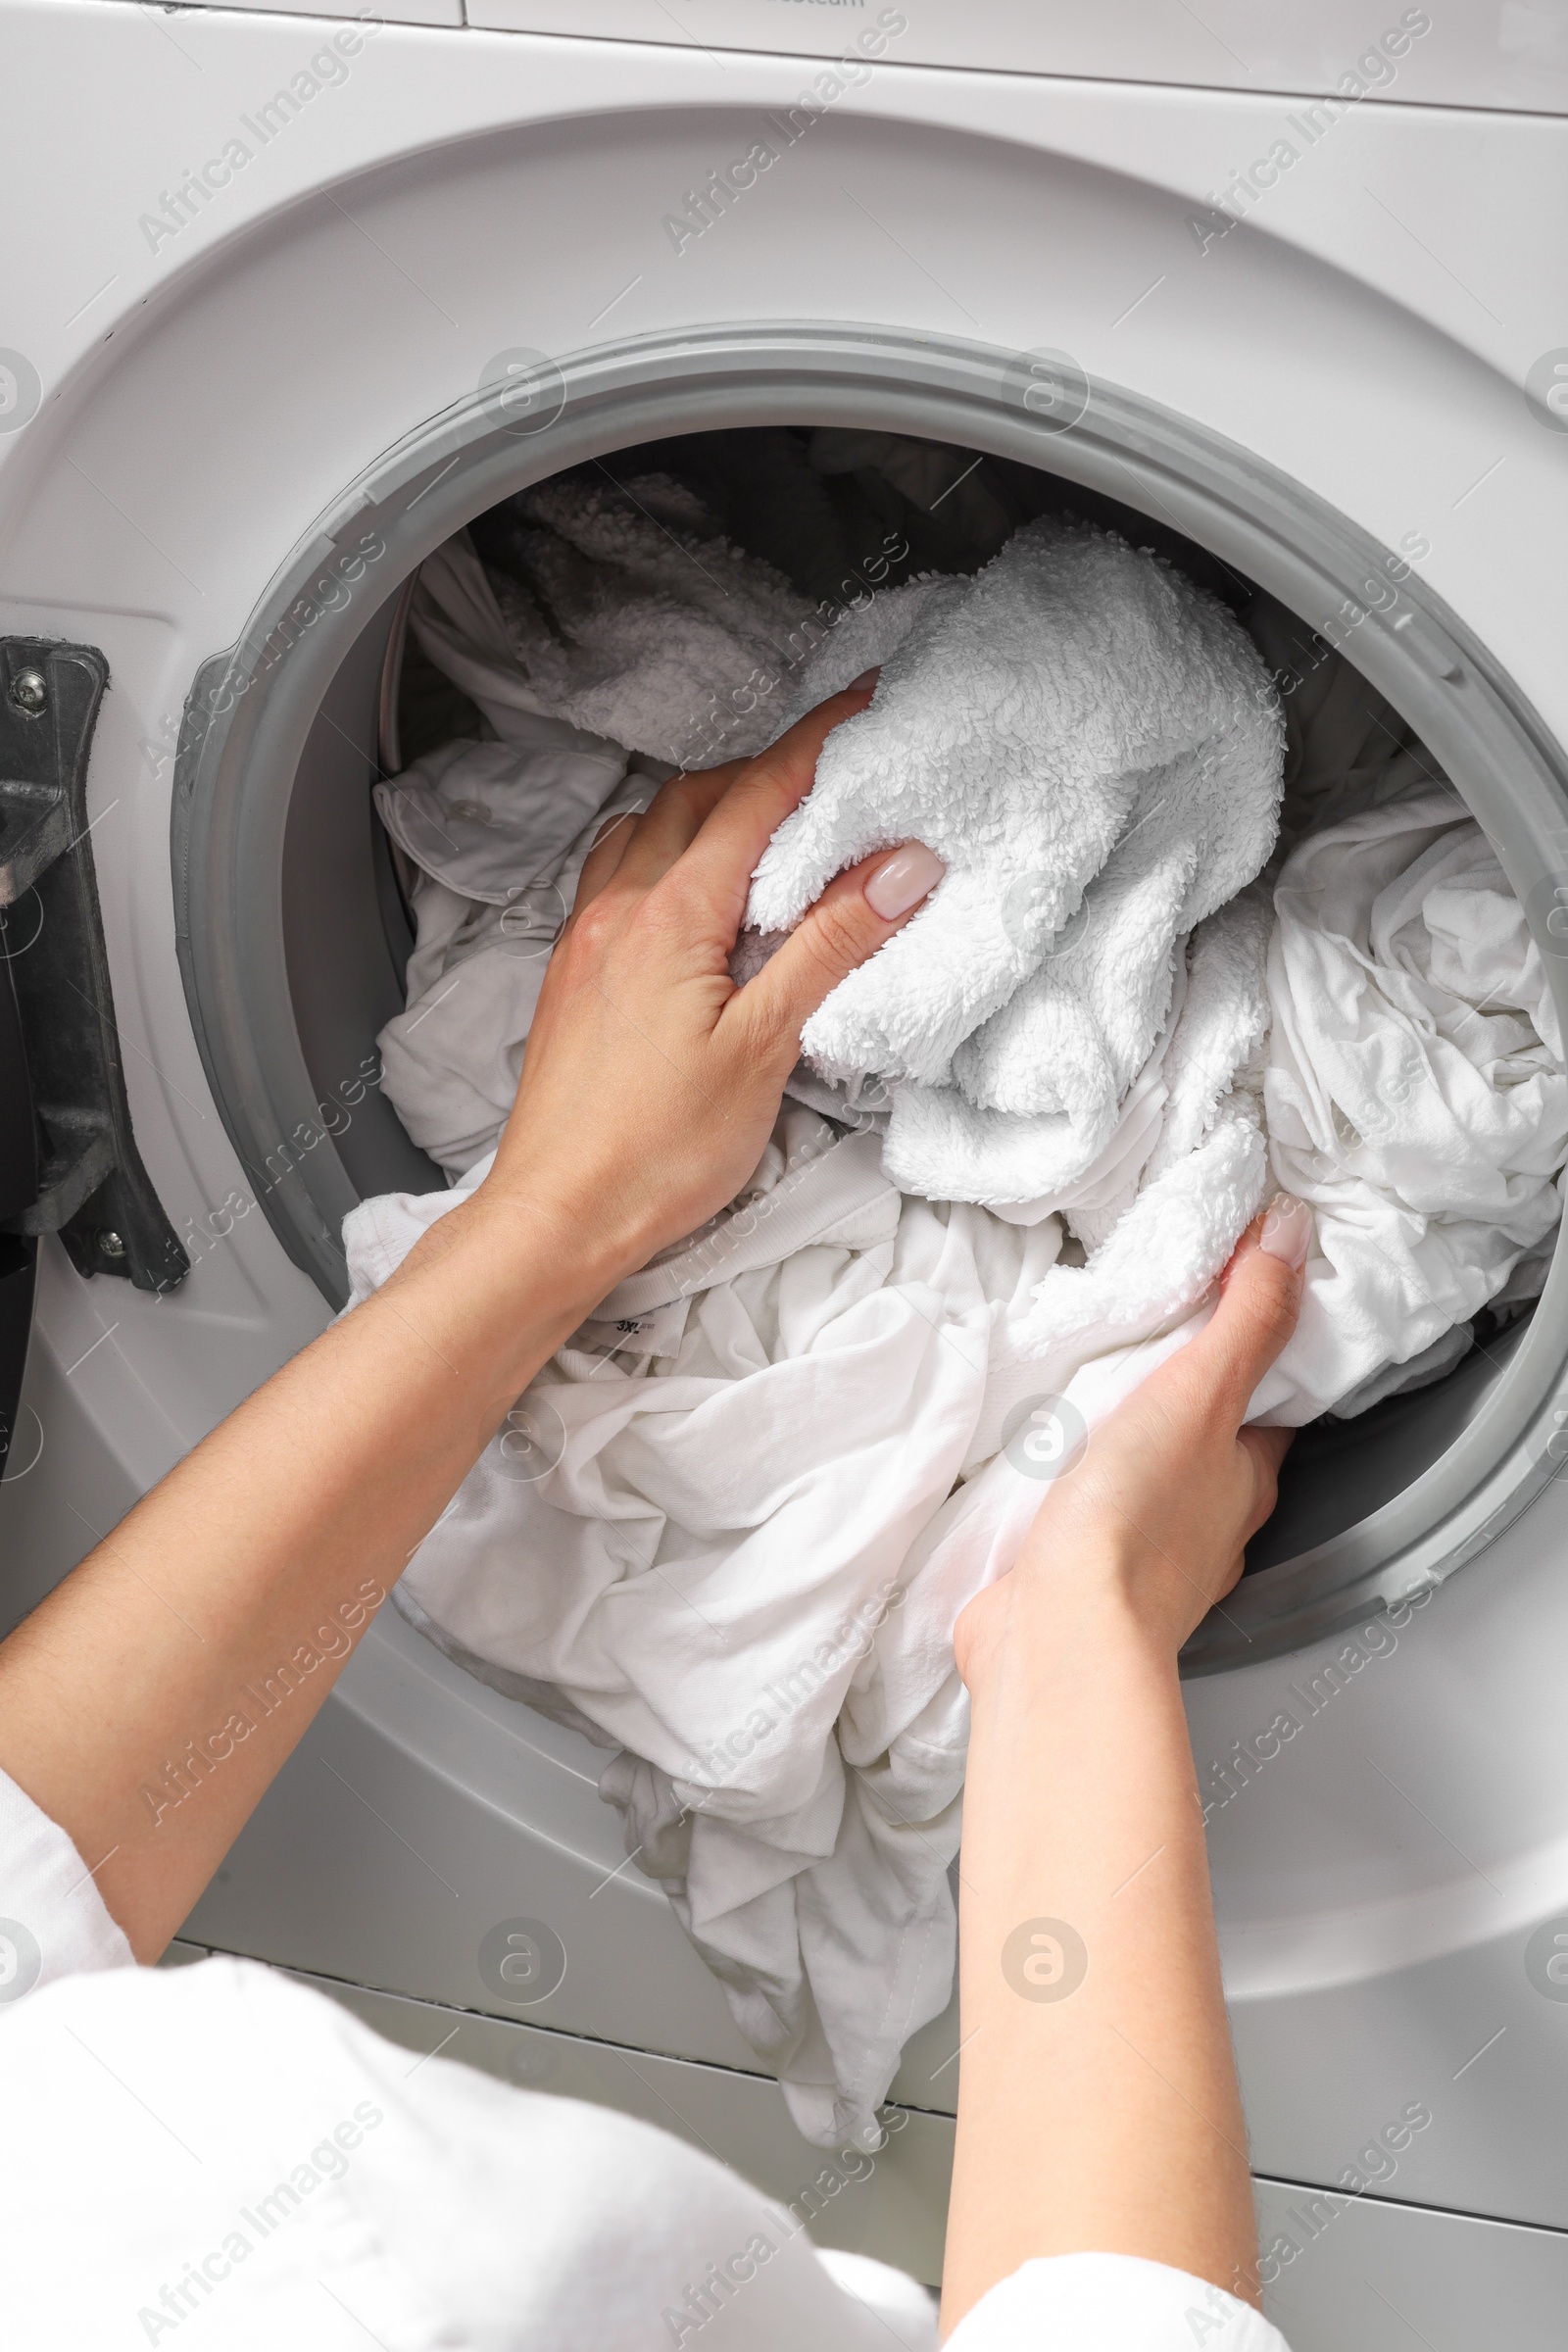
293,296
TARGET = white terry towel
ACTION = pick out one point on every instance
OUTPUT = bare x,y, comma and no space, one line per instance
1162,1240
1415,1093
1093,746
624,616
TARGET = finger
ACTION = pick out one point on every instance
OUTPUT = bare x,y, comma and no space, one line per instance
673,821
762,795
1231,1578
1267,1449
1267,1445
603,860
1259,1302
856,915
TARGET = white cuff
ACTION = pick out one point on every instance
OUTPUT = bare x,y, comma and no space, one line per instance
53,1922
1110,2303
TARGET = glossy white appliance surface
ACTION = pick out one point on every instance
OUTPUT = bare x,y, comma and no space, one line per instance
216,349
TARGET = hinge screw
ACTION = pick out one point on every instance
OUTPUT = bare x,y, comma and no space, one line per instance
29,693
111,1245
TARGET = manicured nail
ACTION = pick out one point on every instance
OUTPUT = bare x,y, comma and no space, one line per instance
903,881
1287,1228
864,682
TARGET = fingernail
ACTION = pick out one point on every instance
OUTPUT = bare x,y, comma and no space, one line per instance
864,682
903,881
1287,1228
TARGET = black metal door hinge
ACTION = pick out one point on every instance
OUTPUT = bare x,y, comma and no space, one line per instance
69,1162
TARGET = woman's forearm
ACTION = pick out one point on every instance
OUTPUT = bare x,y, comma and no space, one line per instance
1098,2105
151,1698
1099,2109
149,1701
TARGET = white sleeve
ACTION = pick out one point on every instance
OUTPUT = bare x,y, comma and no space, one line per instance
53,1922
1110,2303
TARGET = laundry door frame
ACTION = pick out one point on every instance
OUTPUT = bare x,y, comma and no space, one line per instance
251,708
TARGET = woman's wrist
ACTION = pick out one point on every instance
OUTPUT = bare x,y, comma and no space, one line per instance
499,1283
1077,1615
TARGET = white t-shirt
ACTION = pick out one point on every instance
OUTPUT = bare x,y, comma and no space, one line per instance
217,2156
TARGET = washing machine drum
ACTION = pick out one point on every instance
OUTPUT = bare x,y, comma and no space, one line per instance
287,733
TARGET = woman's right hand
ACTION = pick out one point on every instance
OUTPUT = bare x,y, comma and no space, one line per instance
1099,2115
1172,1484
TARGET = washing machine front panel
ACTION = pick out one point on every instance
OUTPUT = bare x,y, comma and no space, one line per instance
1513,57
213,402
208,415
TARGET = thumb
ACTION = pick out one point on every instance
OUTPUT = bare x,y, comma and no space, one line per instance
1260,1298
856,915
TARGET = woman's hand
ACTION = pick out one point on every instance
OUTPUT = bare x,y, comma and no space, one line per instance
1171,1485
650,1082
1098,2107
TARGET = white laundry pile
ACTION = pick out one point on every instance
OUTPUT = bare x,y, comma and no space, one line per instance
1091,744
729,1529
498,834
722,1535
1414,1095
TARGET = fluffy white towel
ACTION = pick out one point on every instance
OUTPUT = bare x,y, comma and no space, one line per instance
1093,746
620,615
1162,1241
